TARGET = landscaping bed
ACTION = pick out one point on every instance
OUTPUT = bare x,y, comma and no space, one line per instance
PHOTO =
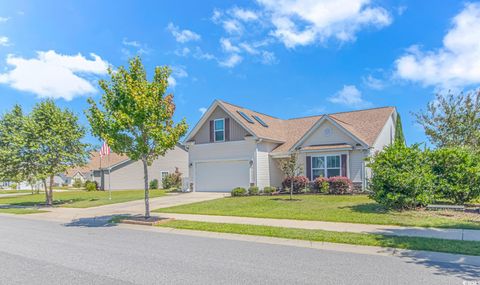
332,208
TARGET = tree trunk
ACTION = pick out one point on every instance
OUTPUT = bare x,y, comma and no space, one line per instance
46,190
147,198
50,192
291,188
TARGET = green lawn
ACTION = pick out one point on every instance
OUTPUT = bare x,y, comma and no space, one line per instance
352,209
413,243
21,211
14,191
79,199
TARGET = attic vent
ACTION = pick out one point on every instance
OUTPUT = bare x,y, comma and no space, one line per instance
247,118
260,121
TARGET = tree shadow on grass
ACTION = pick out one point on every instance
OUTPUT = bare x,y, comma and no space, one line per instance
96,222
286,199
368,208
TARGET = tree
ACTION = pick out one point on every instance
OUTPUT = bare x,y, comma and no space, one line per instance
136,116
399,137
291,168
452,120
53,137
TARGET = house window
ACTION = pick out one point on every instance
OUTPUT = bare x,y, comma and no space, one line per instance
326,166
163,174
219,130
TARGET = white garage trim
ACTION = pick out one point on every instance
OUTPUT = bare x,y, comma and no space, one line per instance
196,164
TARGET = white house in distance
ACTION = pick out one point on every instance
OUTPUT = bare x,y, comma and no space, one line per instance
232,146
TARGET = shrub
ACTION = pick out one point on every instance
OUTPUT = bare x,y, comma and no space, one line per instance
268,190
172,180
401,177
253,190
321,185
91,185
77,183
239,191
299,183
457,174
340,185
13,186
153,184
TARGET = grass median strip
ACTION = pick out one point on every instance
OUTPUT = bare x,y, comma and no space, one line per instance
21,211
329,208
413,243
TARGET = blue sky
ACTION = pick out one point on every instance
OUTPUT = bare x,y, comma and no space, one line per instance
285,58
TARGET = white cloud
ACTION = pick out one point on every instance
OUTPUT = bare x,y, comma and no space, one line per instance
177,72
232,26
268,57
249,48
182,52
200,54
202,110
228,46
304,22
231,61
373,83
172,82
349,96
455,64
4,19
53,75
244,15
182,36
132,48
4,41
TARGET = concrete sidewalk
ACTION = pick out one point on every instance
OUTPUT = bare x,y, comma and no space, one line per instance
453,234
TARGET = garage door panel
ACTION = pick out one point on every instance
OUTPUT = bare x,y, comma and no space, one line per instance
222,176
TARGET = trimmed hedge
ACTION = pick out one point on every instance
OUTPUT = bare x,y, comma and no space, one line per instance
340,185
239,191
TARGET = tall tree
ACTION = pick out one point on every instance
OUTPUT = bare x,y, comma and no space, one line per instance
54,137
452,120
135,118
399,137
12,146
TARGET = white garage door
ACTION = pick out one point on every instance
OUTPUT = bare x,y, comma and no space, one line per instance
221,176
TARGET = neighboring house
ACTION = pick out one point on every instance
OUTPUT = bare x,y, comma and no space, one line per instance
118,172
232,146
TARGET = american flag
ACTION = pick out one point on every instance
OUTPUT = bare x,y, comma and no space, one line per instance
105,150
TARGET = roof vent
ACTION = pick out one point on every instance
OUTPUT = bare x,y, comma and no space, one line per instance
247,118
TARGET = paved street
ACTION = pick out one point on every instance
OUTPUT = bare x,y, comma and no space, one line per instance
47,252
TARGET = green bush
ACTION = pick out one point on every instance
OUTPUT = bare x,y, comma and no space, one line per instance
299,183
268,190
91,185
239,191
401,177
253,190
13,186
321,185
153,184
77,183
340,185
457,174
172,180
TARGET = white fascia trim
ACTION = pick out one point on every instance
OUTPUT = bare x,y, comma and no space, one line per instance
327,150
317,125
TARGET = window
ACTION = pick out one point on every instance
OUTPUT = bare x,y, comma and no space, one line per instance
163,174
219,130
260,121
326,166
247,118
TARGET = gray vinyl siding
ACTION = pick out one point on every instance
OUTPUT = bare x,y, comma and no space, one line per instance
129,175
237,132
356,165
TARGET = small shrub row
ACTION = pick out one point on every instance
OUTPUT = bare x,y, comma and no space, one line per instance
252,191
91,185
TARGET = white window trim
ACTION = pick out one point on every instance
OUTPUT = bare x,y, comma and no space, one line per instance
325,169
162,172
221,130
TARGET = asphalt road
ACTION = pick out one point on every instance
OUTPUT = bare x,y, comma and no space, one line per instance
44,252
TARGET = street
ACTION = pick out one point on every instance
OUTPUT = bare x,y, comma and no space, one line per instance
47,252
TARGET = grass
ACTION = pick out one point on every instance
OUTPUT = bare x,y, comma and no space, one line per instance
412,243
351,209
20,211
80,199
14,191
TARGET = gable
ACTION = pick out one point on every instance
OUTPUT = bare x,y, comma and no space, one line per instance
237,132
327,133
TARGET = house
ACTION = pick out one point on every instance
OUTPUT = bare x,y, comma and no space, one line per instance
233,146
127,174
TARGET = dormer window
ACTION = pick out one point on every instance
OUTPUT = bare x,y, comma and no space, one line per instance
219,130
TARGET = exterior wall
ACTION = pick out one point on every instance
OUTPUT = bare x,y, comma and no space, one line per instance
336,136
130,174
264,164
357,165
232,150
387,134
237,132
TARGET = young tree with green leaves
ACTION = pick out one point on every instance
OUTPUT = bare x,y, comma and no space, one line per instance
291,168
53,136
136,116
452,120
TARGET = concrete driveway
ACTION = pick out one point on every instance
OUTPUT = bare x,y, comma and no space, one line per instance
128,208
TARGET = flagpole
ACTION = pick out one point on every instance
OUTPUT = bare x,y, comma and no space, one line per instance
109,169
